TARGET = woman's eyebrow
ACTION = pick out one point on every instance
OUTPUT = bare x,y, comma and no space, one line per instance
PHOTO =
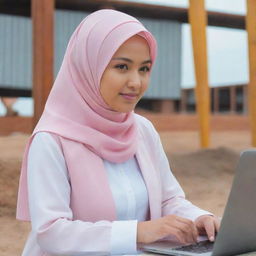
130,61
124,59
147,61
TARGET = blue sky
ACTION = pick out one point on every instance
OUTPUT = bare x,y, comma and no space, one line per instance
227,50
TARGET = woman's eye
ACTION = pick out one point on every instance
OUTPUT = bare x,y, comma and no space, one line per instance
122,66
145,69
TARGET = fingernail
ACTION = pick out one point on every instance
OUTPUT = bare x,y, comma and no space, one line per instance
211,238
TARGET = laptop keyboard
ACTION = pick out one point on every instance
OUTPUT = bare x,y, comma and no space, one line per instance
200,247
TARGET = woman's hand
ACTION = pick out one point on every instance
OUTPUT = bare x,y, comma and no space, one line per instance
183,229
208,225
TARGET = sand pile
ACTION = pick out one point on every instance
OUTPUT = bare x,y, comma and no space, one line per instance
206,176
9,178
204,162
11,149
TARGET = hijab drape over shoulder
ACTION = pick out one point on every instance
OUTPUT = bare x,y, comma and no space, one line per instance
75,109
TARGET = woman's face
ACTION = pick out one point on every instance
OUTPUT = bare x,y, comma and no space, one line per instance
126,77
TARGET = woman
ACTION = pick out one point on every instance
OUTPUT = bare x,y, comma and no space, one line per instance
95,179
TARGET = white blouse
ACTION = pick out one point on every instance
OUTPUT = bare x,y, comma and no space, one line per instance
47,188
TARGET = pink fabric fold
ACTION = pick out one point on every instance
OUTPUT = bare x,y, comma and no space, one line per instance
75,109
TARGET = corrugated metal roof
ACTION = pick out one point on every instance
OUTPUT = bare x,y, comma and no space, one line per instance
65,24
16,51
166,75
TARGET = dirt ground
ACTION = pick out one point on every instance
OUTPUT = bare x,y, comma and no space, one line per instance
205,175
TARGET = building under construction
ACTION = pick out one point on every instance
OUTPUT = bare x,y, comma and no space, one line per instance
32,57
164,94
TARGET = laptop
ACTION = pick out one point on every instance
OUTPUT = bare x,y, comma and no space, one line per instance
237,234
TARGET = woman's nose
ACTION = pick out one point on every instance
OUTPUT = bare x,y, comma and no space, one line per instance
134,80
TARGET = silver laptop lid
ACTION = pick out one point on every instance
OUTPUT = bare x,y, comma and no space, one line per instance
238,226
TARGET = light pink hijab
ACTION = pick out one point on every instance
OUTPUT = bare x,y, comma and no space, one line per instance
75,109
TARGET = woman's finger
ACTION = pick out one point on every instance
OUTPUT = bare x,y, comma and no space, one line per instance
187,228
190,229
209,225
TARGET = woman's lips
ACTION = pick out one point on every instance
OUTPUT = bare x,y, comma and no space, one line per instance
129,96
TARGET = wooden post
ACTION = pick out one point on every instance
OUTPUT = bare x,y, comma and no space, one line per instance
251,31
232,90
167,106
183,101
245,99
216,102
198,23
43,22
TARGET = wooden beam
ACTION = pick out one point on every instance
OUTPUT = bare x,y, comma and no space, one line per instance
11,124
43,22
198,23
13,92
251,31
154,11
17,7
